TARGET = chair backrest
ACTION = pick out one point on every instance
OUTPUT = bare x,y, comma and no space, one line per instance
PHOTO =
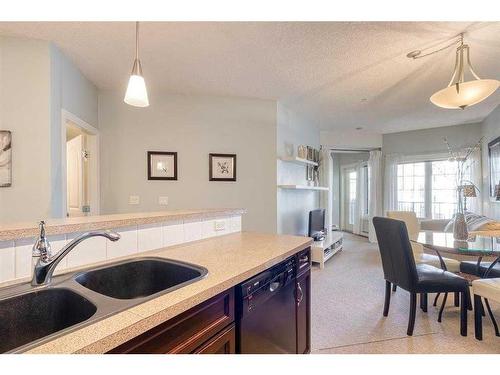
395,249
410,219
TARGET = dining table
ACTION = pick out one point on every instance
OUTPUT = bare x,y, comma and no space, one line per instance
476,246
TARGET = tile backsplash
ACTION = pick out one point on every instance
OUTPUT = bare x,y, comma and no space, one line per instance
15,256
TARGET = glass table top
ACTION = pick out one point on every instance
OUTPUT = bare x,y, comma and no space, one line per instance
475,245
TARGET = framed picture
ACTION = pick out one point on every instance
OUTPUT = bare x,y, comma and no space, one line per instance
494,158
162,165
222,167
5,158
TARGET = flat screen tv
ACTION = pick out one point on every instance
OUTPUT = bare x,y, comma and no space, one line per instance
317,224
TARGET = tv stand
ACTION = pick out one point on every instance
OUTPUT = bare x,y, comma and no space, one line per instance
321,251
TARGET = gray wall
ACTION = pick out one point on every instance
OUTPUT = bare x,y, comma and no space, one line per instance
193,126
490,131
431,140
24,110
293,206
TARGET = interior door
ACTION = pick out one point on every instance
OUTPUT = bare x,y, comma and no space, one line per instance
75,178
349,196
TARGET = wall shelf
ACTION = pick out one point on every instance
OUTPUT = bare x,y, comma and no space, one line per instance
297,160
303,187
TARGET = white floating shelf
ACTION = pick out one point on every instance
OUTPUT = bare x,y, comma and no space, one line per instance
297,160
303,187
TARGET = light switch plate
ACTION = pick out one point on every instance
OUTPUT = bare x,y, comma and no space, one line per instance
219,225
134,199
163,201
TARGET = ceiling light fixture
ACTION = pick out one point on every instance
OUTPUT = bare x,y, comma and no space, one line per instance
460,93
136,94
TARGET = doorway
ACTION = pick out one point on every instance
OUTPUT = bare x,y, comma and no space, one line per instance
349,198
80,164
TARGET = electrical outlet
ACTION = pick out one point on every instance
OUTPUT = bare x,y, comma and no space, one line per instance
134,199
163,201
219,225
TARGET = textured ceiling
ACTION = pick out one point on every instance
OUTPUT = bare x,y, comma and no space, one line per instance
323,69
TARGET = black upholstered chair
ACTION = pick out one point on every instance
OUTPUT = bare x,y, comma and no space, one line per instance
400,270
471,268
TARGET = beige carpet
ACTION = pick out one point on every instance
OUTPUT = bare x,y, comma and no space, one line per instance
347,303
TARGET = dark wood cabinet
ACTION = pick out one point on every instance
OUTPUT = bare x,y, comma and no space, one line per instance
223,343
187,332
303,291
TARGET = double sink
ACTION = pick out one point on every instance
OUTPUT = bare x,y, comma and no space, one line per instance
29,316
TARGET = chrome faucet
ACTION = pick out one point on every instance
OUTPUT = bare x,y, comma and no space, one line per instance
44,263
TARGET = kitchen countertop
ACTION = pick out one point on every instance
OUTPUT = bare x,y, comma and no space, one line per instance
230,259
13,231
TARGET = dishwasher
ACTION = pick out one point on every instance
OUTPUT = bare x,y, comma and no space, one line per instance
266,311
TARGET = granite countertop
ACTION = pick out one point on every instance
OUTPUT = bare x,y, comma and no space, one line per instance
230,259
13,231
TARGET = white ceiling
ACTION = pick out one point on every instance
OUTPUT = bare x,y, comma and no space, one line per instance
323,69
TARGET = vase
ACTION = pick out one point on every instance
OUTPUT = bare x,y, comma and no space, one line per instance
460,231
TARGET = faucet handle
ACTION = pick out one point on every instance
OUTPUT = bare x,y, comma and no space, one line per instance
42,245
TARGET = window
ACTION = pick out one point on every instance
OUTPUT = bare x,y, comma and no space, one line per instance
428,188
352,176
411,188
366,190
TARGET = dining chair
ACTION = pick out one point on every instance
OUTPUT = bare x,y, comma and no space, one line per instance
471,268
489,289
400,269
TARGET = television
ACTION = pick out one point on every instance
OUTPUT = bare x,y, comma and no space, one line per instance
317,224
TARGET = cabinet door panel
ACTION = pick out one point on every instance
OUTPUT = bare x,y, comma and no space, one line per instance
303,294
223,343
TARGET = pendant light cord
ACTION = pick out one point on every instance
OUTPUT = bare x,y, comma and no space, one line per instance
137,40
458,40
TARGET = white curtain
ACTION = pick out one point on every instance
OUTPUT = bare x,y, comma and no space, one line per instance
474,173
375,204
326,179
358,208
391,182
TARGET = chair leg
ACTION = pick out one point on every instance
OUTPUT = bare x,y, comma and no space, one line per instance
436,299
423,301
387,297
457,299
413,310
463,314
440,316
394,287
495,325
478,317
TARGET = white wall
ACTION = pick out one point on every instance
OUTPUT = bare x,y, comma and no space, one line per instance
293,206
24,103
193,126
349,139
490,131
431,140
70,90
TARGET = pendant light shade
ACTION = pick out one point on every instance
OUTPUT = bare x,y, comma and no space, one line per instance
137,93
461,93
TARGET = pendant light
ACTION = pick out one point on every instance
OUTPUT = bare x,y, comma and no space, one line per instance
136,94
461,93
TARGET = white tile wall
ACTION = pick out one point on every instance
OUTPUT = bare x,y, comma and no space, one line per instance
15,256
149,237
173,233
89,251
192,230
7,261
126,245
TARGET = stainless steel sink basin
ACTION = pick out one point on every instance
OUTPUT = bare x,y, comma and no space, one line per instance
140,278
28,317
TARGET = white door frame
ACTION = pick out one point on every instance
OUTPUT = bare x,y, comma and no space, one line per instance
94,176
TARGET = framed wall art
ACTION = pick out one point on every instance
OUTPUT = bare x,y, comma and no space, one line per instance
222,167
162,165
5,158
